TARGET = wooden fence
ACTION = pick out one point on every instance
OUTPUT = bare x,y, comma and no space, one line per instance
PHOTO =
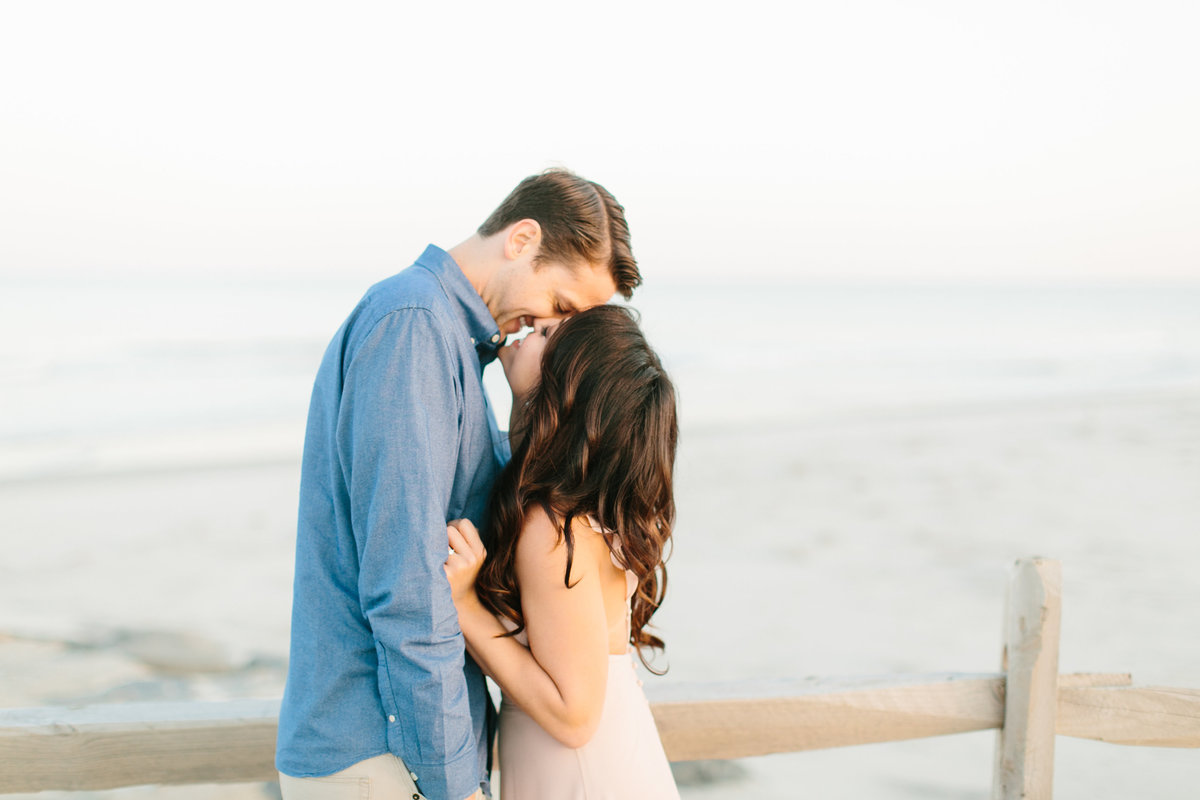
107,746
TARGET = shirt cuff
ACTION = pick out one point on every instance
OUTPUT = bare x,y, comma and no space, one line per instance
450,780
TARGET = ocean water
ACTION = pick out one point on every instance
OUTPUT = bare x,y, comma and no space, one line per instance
100,374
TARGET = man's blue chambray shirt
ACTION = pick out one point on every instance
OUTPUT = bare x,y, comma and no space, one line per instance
400,440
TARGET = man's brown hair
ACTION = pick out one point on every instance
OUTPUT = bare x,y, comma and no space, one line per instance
580,219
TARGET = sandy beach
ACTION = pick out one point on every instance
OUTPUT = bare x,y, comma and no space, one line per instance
845,544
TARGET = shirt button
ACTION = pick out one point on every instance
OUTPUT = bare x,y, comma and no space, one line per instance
391,717
413,775
472,340
495,338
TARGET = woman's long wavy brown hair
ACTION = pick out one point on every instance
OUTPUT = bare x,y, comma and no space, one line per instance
599,436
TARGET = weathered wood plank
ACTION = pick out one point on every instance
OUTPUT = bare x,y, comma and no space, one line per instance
1024,766
101,747
106,746
128,744
1074,680
716,725
1148,716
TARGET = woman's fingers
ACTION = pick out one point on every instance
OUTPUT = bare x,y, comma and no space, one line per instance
463,562
460,571
470,537
457,542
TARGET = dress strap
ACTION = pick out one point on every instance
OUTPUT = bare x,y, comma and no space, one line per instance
631,581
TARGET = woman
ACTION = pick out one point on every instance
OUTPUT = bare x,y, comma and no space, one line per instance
578,524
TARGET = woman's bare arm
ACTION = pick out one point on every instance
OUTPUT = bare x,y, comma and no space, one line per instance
560,680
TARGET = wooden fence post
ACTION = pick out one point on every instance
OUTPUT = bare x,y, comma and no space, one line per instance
1025,747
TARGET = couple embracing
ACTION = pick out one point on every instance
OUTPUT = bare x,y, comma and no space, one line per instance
434,549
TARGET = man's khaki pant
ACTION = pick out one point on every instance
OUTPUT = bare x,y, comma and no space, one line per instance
380,778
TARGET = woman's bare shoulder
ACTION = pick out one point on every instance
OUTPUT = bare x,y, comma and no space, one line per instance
542,546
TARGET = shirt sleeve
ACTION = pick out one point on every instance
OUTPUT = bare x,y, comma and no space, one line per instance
398,440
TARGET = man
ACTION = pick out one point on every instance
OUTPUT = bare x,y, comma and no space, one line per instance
400,440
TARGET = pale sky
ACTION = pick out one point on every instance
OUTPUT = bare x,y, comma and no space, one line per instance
833,140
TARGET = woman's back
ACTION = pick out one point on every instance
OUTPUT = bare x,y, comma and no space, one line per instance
624,758
617,584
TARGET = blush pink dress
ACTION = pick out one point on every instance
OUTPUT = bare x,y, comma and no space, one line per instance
623,761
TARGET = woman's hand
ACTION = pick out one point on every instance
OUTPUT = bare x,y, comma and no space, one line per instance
466,557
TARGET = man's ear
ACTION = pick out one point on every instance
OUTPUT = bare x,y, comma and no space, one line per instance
522,240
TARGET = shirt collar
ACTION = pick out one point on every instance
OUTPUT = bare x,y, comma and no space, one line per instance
471,310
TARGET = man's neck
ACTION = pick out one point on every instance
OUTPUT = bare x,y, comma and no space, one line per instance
473,258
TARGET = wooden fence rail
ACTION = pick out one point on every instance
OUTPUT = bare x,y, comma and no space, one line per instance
108,746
